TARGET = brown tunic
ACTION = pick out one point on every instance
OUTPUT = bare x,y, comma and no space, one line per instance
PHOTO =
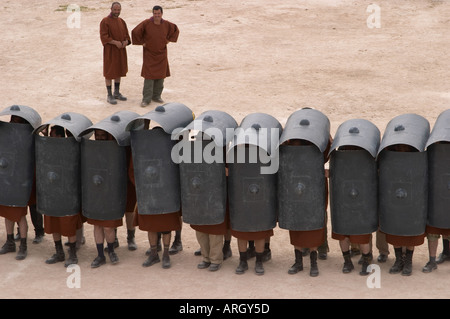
66,225
155,37
307,239
252,235
438,231
218,229
13,214
159,222
395,240
105,223
115,63
354,239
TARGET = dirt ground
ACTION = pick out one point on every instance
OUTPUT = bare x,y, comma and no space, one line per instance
251,56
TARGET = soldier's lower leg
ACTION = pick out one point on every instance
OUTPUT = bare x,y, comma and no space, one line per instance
147,91
433,241
227,253
323,249
345,248
366,258
298,264
314,270
73,259
59,254
399,261
267,254
251,249
131,230
445,254
259,251
166,236
38,223
177,244
243,256
23,230
158,87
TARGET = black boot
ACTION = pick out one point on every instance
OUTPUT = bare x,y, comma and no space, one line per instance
251,249
58,256
176,245
430,266
243,265
117,94
314,271
298,265
110,98
399,262
267,254
259,268
22,253
348,265
166,258
445,255
407,268
112,254
153,257
9,246
361,260
226,249
73,259
365,262
17,237
130,239
115,243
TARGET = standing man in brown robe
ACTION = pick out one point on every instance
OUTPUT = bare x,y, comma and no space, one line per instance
154,34
115,37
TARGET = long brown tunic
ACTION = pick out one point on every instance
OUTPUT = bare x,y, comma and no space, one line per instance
13,213
66,225
115,62
155,37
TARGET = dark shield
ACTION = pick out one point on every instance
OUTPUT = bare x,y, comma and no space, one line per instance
301,188
203,188
353,192
252,195
156,175
403,192
439,185
104,179
16,163
58,182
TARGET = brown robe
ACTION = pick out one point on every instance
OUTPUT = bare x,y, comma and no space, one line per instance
13,213
155,37
435,230
395,240
115,62
65,225
217,229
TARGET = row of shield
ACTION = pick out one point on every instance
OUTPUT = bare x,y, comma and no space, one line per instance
258,172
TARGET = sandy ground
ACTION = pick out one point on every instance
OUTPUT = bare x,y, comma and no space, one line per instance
255,56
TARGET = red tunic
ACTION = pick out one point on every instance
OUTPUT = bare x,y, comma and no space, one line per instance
66,225
13,213
155,37
115,63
